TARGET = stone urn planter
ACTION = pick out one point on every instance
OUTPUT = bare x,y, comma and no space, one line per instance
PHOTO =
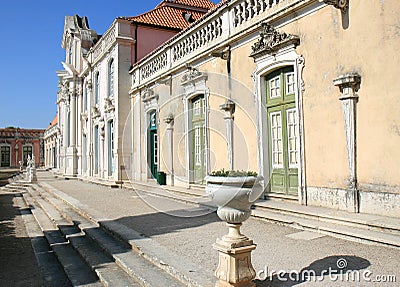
234,194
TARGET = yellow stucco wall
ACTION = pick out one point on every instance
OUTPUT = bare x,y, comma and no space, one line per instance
368,45
365,41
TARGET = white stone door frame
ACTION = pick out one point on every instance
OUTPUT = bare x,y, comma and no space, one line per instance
150,101
264,66
194,83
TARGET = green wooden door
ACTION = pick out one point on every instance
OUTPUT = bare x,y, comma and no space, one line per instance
198,140
153,145
283,132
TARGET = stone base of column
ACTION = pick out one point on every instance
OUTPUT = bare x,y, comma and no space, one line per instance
235,268
71,162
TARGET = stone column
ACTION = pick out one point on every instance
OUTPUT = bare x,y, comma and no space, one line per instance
102,149
169,120
72,151
349,84
229,108
73,116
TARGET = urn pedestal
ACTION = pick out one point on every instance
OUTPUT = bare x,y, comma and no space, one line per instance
234,197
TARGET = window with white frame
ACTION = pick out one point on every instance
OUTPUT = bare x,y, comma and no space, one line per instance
290,85
197,145
276,139
111,79
293,138
275,87
155,142
96,88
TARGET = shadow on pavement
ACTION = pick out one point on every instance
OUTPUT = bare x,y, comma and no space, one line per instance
19,266
161,223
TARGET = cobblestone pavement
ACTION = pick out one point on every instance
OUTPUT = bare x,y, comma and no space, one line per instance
281,250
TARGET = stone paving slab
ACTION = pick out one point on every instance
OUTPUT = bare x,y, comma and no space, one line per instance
276,254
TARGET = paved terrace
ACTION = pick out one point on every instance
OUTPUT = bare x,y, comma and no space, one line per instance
189,231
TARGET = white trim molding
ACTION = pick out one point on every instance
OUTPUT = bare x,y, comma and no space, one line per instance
276,50
194,84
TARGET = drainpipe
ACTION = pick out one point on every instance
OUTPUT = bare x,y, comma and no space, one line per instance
349,84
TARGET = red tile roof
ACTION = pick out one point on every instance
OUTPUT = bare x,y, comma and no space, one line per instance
170,13
53,122
204,4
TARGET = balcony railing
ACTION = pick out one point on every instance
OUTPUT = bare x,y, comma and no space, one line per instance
228,21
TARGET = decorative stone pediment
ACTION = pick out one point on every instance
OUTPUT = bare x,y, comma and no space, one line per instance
109,106
272,41
75,26
63,92
339,4
192,76
148,95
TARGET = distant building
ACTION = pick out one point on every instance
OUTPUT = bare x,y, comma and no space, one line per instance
16,144
51,144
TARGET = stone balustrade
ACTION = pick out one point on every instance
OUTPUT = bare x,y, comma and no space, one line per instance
214,30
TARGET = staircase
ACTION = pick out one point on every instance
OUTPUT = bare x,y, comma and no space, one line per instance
95,253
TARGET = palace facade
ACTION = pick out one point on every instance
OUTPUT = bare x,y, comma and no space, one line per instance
93,98
301,91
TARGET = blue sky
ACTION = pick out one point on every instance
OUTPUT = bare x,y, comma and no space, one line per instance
31,53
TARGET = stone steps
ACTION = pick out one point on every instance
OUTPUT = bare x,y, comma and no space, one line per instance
166,262
364,228
52,272
114,262
75,268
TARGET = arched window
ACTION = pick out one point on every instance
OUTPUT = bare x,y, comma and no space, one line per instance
96,88
111,79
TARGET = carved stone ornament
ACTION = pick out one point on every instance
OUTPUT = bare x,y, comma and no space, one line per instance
89,84
109,105
271,41
192,75
148,95
95,112
84,116
169,119
339,4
